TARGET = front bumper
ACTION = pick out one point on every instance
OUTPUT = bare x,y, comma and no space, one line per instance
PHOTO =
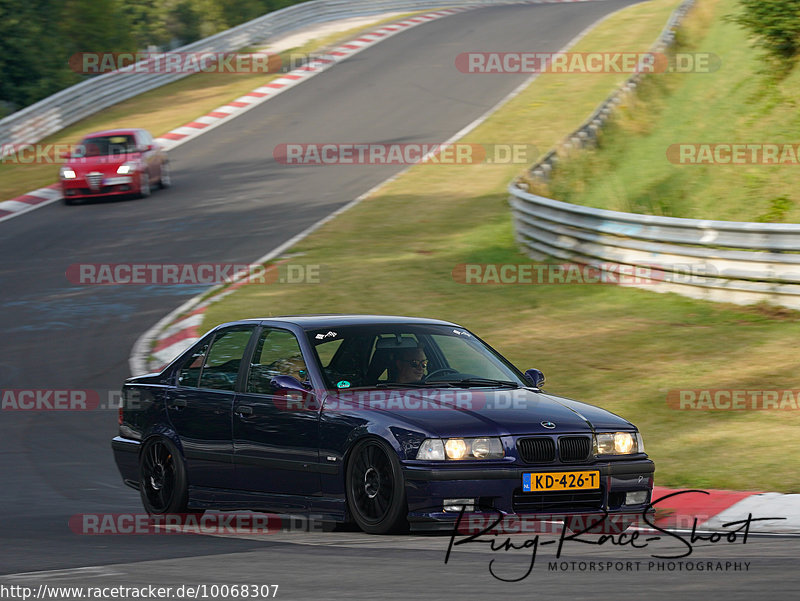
498,492
111,186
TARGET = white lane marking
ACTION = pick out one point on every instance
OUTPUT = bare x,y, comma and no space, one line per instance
85,572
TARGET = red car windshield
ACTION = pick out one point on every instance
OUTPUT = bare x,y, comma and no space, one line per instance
105,146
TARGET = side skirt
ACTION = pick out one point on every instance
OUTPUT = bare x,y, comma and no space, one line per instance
323,508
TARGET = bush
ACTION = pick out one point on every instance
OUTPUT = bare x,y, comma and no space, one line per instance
775,24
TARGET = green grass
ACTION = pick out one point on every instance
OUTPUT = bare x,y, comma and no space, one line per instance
620,348
160,110
738,103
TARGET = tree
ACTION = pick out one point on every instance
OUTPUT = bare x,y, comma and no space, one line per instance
32,59
38,37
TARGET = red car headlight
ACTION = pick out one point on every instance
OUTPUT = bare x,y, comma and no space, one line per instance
127,168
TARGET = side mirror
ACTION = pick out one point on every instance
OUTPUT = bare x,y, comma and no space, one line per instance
292,395
535,377
287,383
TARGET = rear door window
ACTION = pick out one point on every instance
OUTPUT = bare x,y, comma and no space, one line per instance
221,368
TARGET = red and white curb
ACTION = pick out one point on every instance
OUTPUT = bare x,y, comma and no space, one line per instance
30,201
176,338
712,509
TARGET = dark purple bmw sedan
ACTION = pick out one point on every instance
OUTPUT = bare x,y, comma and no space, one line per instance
386,422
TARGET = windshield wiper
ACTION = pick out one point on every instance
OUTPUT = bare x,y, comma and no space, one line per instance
402,385
479,382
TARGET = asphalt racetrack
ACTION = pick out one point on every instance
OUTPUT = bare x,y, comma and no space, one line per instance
231,202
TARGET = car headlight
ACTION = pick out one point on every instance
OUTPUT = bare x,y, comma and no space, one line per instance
435,449
456,448
67,173
618,443
127,168
432,449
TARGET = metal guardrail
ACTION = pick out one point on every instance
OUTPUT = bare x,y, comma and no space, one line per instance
723,261
31,124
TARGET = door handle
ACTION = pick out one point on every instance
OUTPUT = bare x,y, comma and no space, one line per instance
244,411
178,404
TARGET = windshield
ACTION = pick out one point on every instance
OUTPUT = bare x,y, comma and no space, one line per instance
105,146
408,355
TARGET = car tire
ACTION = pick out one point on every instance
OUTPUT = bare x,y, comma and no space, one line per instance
68,201
165,178
144,185
163,483
375,488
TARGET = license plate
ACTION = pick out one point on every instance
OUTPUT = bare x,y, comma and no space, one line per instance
561,481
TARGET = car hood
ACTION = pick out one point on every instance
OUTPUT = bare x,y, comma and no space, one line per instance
480,412
103,164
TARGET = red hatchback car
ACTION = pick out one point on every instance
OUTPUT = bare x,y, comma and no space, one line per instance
113,163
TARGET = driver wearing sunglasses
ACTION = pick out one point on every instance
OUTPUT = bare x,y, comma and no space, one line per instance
411,365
